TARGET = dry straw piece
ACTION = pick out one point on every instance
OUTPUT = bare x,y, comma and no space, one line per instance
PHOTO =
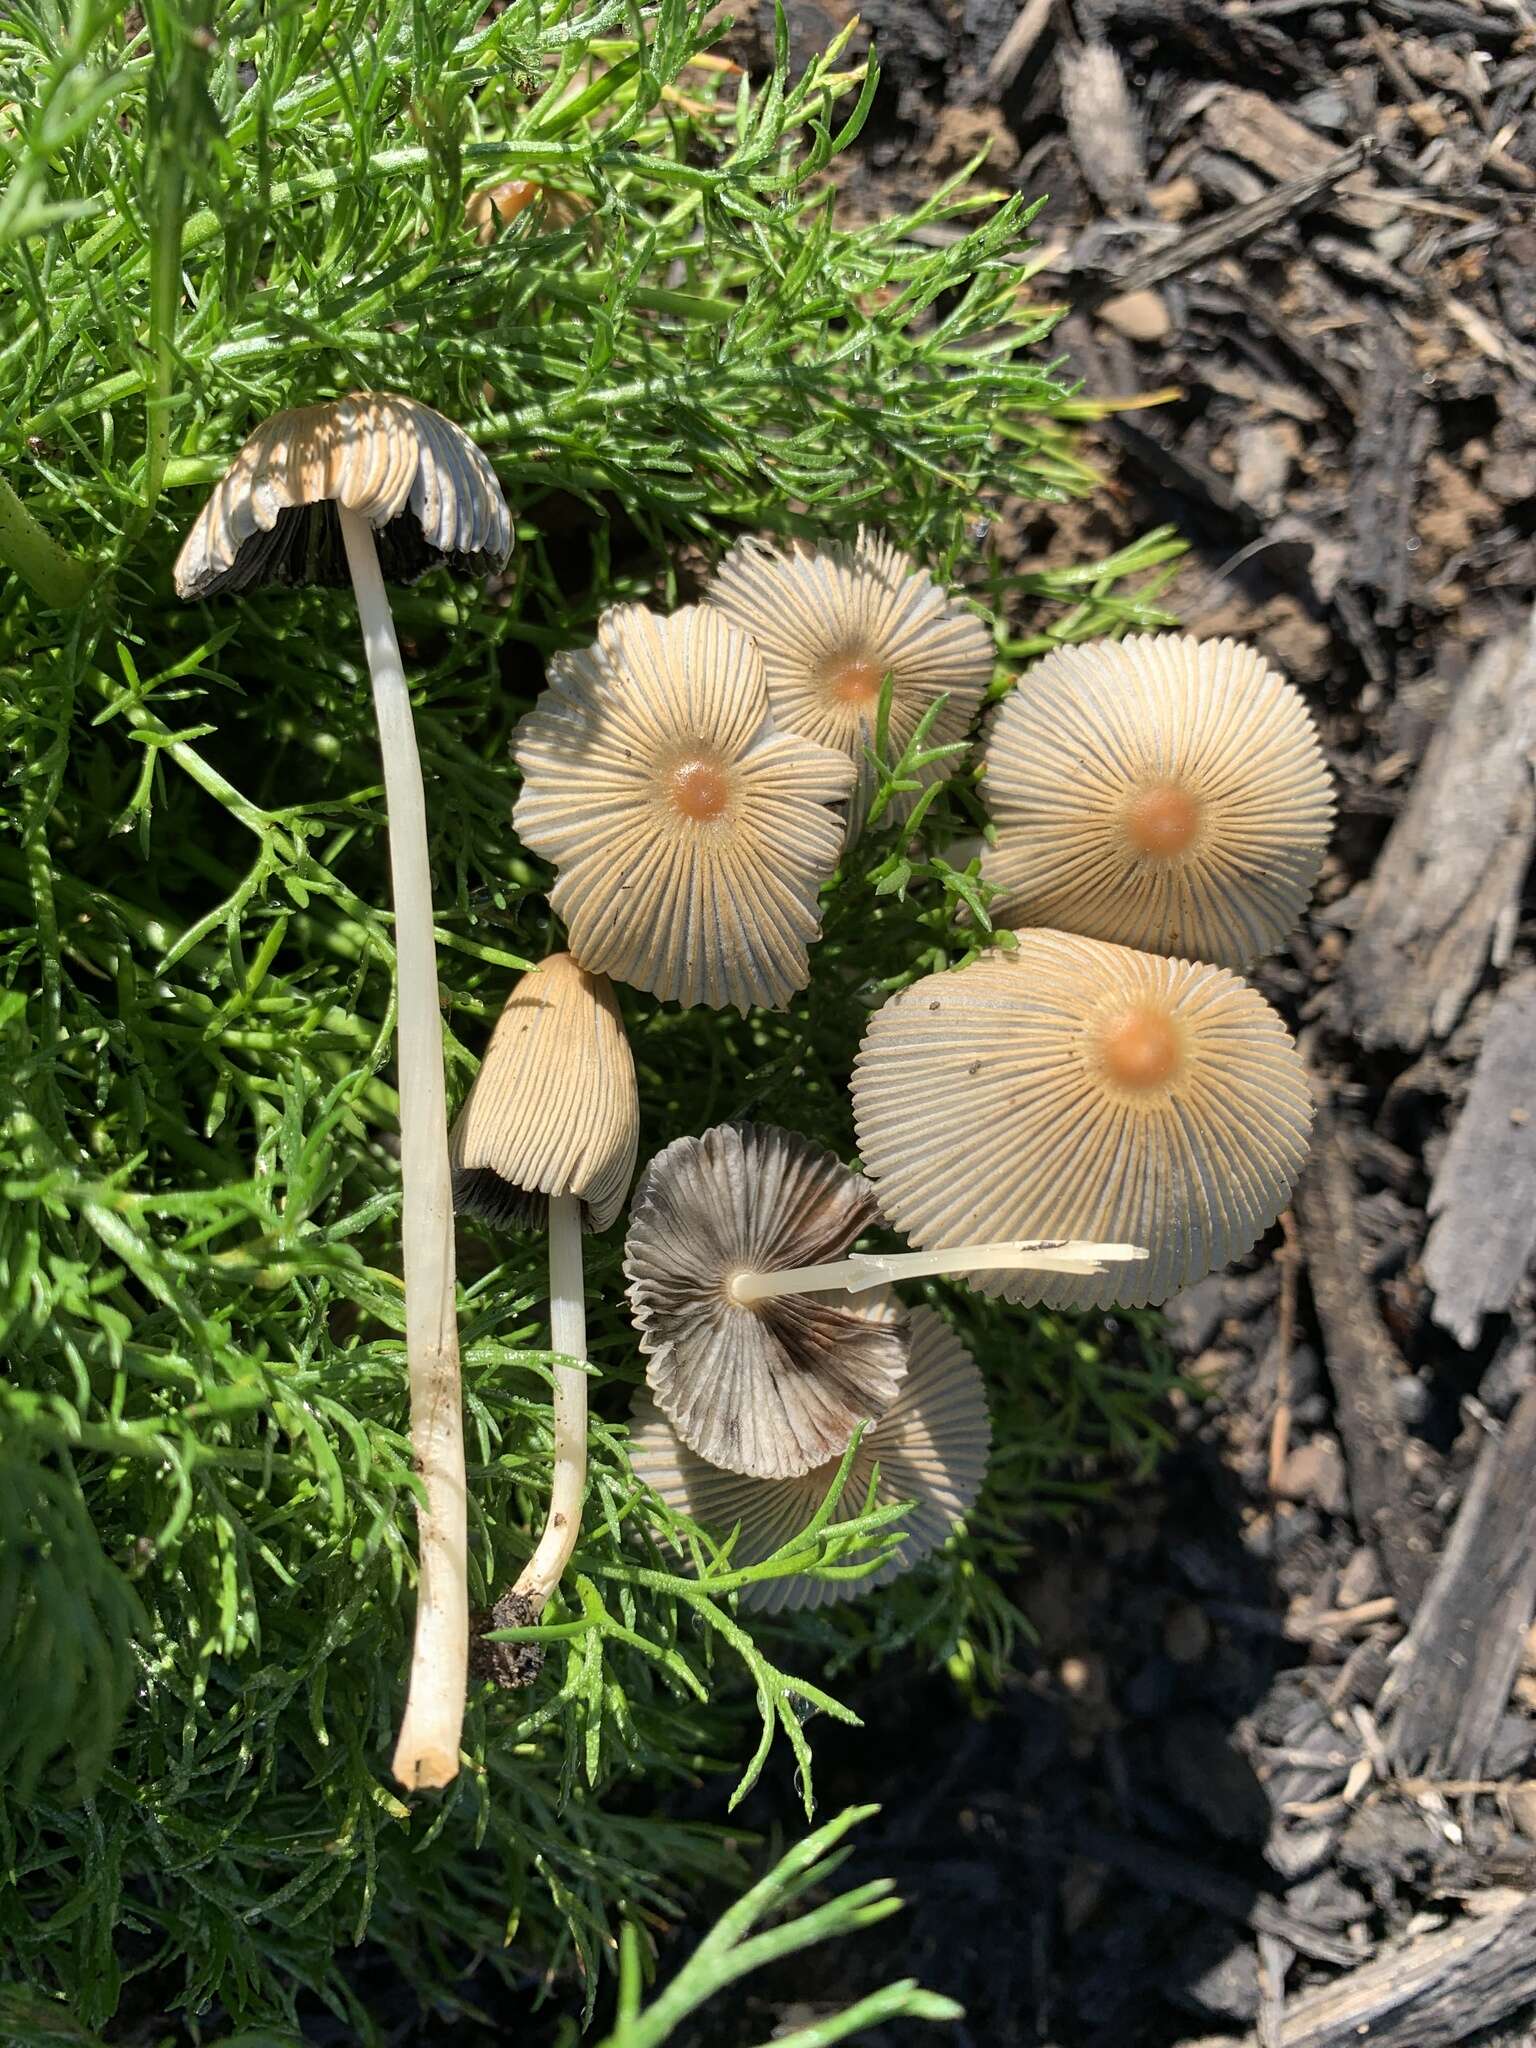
777,1387
1081,1088
554,1110
1160,792
691,837
931,1447
832,623
417,479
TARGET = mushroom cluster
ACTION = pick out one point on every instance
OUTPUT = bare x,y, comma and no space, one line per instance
1096,1110
1161,810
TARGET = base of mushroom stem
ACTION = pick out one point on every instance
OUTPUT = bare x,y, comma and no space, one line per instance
508,1666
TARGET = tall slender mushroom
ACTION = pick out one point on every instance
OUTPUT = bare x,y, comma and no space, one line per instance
1077,1086
725,1256
832,623
930,1446
1160,792
363,488
691,837
548,1135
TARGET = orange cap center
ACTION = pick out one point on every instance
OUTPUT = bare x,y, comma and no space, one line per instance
855,681
1140,1049
700,790
1163,821
510,199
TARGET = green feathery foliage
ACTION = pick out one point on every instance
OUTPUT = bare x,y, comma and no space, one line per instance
211,210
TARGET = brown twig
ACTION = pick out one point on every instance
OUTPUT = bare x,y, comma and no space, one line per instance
1288,1258
1363,1365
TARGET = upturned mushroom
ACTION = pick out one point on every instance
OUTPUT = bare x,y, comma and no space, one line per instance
832,623
364,487
1159,792
1081,1087
547,1137
930,1447
773,1389
690,836
724,1254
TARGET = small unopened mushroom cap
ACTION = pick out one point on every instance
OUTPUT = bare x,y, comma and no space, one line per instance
419,481
833,622
554,1109
931,1446
1160,792
1076,1089
778,1387
690,835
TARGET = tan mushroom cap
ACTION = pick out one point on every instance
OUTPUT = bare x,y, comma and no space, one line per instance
554,1109
931,1446
833,622
776,1388
1077,1089
1160,792
419,480
690,835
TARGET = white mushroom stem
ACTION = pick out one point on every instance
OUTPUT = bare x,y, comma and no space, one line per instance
568,1336
862,1270
427,1752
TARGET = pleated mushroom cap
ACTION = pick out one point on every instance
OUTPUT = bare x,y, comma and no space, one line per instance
554,1109
690,835
420,481
1159,792
778,1387
1077,1089
931,1445
832,623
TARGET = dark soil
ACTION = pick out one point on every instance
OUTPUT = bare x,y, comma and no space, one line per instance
1229,1774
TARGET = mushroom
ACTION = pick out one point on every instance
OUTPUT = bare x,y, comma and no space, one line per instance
369,486
832,623
691,837
1160,792
773,1389
547,1136
495,207
1083,1088
930,1446
721,1259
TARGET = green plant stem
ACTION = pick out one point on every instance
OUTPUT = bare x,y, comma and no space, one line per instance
36,556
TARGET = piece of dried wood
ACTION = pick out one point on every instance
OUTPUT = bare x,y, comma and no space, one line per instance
1229,44
1484,1197
1104,126
1362,1364
1445,893
1393,438
1432,1992
1013,52
1448,1681
1161,1870
1254,130
1230,230
1487,24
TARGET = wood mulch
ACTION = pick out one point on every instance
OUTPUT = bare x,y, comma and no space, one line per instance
1271,1774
